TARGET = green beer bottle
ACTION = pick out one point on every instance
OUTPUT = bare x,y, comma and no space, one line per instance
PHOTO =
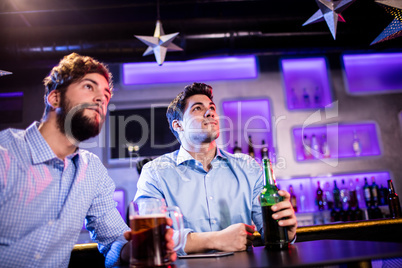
275,236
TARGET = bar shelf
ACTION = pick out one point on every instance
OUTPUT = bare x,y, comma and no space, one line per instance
306,83
244,118
334,141
375,73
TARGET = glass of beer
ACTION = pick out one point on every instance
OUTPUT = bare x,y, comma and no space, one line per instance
148,223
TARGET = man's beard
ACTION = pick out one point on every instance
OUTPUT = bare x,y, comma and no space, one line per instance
73,123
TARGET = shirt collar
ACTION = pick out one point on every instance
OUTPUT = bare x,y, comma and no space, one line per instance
40,149
184,156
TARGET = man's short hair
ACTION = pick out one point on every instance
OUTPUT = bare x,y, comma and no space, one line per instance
177,106
70,69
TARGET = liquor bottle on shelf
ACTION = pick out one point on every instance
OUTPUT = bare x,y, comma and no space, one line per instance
236,148
358,191
326,153
264,150
306,98
315,147
352,195
367,193
275,236
250,147
319,197
343,215
306,147
358,213
357,146
393,202
328,197
317,97
335,216
293,199
344,193
374,192
337,196
302,199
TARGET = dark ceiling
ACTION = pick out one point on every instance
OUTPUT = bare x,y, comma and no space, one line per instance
37,30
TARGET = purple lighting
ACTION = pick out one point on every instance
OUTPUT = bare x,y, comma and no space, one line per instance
247,117
306,83
340,138
210,69
373,73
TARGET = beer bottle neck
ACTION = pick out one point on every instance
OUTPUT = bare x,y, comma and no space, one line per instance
268,173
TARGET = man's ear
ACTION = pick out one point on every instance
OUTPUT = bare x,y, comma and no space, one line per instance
53,99
176,125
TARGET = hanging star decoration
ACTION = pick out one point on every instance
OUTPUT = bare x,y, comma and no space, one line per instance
159,44
330,11
2,73
394,29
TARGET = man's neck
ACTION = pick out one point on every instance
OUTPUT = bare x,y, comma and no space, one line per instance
204,153
58,142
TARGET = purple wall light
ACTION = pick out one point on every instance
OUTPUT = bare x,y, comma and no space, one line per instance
210,69
373,73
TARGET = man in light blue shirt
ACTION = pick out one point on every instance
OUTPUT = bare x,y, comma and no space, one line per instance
216,191
48,186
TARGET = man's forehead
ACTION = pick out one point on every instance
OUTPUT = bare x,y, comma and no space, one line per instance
199,98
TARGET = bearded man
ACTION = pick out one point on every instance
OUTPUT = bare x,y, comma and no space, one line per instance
48,185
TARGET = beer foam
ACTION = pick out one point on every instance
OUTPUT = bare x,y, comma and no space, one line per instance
160,215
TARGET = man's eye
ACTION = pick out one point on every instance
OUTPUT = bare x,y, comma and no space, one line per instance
197,108
88,86
212,108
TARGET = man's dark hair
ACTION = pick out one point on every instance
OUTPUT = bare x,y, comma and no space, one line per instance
70,69
177,106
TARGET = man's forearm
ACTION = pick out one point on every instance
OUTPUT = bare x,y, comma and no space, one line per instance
200,242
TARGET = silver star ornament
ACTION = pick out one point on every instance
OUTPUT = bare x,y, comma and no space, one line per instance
159,44
330,11
394,29
2,73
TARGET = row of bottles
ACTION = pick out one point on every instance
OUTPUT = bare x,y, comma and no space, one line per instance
314,147
344,201
265,153
306,99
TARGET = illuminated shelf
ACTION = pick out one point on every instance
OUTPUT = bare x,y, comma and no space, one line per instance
306,83
242,118
309,185
340,139
373,73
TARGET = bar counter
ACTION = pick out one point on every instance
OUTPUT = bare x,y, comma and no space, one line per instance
376,237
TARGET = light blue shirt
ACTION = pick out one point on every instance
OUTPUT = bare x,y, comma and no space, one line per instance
44,201
210,201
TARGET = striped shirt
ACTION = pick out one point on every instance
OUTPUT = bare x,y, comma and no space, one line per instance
44,200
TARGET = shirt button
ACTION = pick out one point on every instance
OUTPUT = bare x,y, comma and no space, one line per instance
211,197
213,221
50,223
37,256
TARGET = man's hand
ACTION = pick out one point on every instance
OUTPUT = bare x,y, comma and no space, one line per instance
125,252
284,211
236,237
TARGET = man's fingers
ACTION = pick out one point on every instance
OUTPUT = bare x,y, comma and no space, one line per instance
127,235
249,228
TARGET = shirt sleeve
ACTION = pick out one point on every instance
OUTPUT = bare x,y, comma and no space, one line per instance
104,222
148,187
256,210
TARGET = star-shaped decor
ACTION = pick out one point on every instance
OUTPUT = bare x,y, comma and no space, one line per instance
330,11
394,29
2,73
159,44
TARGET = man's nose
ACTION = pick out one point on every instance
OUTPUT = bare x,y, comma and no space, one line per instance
210,113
